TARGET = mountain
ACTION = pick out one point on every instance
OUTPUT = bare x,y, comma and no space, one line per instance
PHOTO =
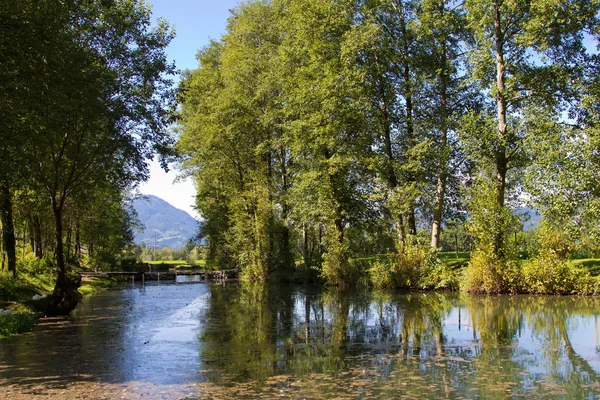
170,226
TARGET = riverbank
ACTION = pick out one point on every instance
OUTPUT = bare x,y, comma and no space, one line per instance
18,295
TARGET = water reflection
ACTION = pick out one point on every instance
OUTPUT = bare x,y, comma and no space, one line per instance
219,341
311,343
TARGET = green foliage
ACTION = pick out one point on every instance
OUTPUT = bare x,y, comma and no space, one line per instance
327,130
95,286
337,269
487,274
455,237
85,107
36,277
193,256
493,266
32,265
414,269
409,267
438,274
16,323
550,272
380,274
231,139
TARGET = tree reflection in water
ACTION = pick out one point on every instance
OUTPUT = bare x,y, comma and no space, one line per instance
307,342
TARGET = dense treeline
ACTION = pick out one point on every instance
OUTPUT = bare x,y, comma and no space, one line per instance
322,130
85,100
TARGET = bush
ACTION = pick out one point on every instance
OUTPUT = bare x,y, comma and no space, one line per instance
380,274
193,257
487,274
409,266
413,268
14,324
32,265
336,268
438,275
549,273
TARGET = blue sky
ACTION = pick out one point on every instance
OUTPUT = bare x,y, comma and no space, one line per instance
196,22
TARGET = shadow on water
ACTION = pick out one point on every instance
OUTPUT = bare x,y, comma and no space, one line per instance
219,341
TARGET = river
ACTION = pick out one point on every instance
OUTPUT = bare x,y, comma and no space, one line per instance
174,341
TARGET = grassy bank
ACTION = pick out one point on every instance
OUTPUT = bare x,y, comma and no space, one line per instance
419,269
95,286
34,278
16,295
173,263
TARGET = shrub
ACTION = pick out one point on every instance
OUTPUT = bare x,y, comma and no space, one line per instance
408,267
436,274
336,268
14,324
405,270
549,273
35,266
380,274
487,274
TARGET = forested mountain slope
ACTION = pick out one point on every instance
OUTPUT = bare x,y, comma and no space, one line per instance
170,226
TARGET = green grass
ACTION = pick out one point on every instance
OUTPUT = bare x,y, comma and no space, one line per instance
16,323
15,293
23,286
168,262
591,264
95,285
454,262
449,258
183,263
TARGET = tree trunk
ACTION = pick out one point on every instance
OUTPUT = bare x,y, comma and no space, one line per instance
501,158
410,130
456,243
443,154
305,252
65,296
61,273
9,242
30,233
2,248
400,232
38,247
77,242
286,253
320,240
69,242
389,154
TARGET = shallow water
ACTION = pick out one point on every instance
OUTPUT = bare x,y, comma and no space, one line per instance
223,341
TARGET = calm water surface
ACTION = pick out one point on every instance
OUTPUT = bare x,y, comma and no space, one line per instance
223,341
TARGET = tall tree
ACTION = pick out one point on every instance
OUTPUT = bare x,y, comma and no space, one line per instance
97,105
231,114
442,26
325,126
391,57
19,38
522,53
